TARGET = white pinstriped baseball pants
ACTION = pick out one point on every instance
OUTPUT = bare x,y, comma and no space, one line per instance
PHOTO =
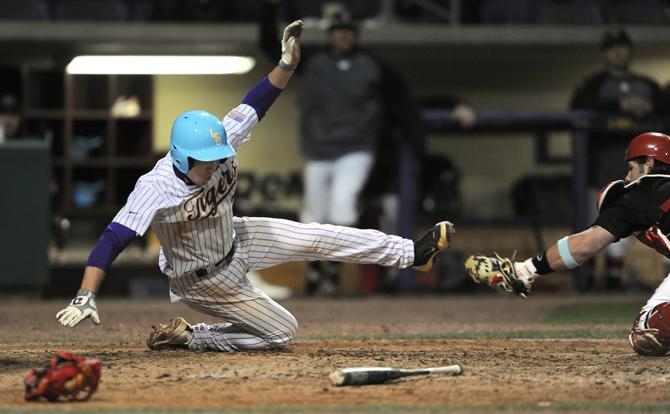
252,320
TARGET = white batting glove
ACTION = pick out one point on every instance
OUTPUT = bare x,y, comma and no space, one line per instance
81,307
526,271
290,46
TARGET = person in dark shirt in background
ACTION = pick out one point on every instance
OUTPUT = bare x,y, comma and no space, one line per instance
340,104
617,90
340,113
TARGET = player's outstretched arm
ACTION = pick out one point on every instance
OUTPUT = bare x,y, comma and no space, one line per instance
262,95
113,240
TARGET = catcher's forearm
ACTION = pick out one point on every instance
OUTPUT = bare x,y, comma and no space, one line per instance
93,277
569,258
578,248
554,259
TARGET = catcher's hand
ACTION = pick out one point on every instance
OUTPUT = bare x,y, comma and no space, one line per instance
290,46
81,307
500,271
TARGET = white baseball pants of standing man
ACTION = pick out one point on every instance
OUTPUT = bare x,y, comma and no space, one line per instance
332,188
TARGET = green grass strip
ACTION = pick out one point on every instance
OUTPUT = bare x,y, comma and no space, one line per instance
579,333
594,313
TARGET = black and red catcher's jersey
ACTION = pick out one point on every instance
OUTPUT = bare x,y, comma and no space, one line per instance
640,208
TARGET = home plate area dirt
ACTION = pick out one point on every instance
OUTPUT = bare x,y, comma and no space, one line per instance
515,357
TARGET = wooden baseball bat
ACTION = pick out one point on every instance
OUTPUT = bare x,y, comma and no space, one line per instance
378,375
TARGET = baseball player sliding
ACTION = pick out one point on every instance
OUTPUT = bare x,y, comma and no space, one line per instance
638,205
206,252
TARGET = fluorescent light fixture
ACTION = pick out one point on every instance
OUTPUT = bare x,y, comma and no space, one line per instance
159,65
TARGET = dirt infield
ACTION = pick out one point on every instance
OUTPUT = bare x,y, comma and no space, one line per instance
517,355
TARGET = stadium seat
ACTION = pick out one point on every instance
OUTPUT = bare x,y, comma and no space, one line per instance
141,10
638,12
361,10
296,9
24,10
247,11
98,10
553,12
506,11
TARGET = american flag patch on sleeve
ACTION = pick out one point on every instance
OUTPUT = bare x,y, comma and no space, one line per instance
236,115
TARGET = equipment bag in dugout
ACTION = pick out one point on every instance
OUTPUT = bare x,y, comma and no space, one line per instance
66,375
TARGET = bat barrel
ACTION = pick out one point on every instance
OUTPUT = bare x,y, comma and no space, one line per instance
362,376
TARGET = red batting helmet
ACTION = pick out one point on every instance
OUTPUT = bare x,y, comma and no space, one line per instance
650,144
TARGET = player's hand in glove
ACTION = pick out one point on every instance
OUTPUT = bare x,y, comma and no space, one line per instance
290,46
81,307
514,277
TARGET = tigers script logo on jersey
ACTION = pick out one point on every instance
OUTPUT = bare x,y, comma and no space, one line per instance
205,203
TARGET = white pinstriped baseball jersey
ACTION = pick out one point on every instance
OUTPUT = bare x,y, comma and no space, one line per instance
194,224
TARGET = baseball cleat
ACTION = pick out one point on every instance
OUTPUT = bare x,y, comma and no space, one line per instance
175,334
434,241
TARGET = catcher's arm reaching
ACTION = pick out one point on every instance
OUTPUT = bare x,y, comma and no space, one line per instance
517,277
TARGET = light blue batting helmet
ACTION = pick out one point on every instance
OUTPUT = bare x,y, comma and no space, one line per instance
198,135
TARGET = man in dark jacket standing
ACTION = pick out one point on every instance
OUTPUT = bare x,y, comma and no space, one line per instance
615,90
340,102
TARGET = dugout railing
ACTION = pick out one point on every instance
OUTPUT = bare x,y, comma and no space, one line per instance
580,124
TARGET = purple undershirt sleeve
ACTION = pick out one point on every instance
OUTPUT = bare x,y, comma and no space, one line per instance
261,97
112,241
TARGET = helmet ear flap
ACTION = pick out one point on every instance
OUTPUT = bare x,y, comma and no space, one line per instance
179,160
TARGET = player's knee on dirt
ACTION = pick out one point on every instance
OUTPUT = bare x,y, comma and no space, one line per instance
281,339
652,338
